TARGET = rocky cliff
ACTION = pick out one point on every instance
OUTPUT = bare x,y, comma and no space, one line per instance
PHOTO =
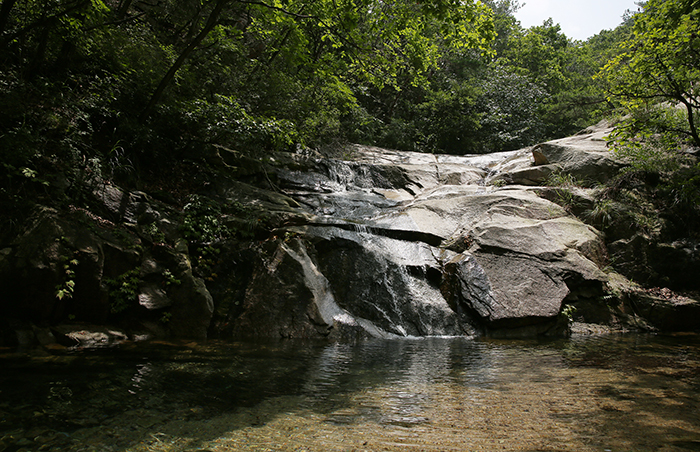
371,243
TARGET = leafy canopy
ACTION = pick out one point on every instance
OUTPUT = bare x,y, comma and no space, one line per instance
660,63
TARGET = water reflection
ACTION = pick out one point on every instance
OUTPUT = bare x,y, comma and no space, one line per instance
616,392
143,375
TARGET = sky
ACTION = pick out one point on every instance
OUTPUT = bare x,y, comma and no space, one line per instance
579,19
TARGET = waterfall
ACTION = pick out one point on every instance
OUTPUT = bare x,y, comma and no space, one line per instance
329,310
407,244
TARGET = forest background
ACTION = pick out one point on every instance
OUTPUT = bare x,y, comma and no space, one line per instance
140,92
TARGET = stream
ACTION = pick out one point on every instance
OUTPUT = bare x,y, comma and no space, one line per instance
594,393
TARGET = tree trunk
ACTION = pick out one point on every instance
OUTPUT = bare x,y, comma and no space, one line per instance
123,9
43,43
167,79
691,123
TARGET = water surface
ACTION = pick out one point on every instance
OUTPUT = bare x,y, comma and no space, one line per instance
611,393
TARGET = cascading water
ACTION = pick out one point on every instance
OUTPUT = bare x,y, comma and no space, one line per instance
410,244
330,312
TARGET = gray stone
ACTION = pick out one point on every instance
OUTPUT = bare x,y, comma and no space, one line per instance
513,257
90,336
379,244
584,156
153,297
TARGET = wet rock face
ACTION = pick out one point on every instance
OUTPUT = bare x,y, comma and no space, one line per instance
407,244
401,298
385,244
278,303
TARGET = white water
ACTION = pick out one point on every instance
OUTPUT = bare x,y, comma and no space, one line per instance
323,296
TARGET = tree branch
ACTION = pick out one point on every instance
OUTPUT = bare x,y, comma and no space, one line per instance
278,8
168,77
43,21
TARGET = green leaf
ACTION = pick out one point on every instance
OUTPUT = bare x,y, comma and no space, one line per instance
28,173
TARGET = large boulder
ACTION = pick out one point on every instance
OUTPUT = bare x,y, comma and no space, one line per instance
664,309
54,269
378,243
81,267
584,156
395,284
520,257
286,297
648,260
346,290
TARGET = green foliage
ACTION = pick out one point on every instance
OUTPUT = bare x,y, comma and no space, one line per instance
540,53
246,219
510,106
170,279
647,156
656,84
123,290
683,188
603,213
567,312
563,180
66,287
165,318
206,258
202,222
161,80
564,185
529,86
447,118
157,236
660,62
647,139
120,90
225,122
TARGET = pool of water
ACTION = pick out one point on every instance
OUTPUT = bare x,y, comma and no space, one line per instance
608,393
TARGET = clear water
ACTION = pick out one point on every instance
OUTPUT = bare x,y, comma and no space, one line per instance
612,393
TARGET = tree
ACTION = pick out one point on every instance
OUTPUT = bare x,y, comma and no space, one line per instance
511,104
660,63
208,26
529,85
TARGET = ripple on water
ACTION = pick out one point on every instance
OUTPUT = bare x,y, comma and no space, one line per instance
615,393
